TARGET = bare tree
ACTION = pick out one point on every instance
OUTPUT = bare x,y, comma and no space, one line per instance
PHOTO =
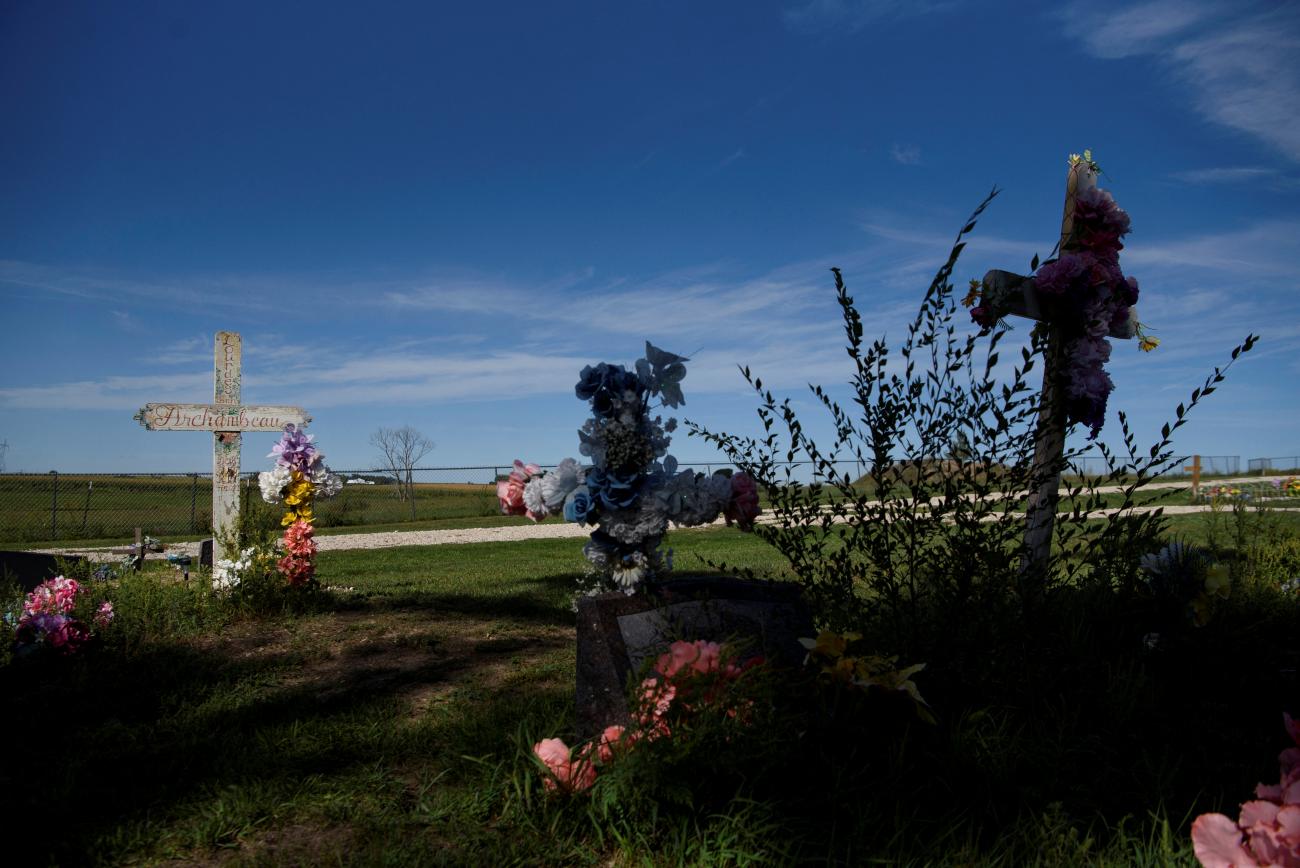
400,449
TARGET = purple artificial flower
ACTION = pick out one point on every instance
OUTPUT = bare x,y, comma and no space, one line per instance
1131,286
1061,275
1099,223
294,450
1089,385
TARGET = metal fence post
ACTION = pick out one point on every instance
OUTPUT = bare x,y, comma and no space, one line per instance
85,512
194,500
54,505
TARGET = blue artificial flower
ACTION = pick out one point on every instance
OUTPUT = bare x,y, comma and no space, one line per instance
578,506
604,385
663,372
613,490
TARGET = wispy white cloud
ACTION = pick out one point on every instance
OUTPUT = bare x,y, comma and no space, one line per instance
1225,175
738,154
908,155
108,393
1138,29
1261,250
1238,70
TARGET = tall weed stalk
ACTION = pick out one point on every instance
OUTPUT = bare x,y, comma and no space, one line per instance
927,542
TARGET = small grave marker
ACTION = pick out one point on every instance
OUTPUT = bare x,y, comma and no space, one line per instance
1049,444
1196,475
225,417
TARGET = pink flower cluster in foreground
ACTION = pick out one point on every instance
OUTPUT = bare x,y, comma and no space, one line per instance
690,674
54,596
1267,832
298,565
47,617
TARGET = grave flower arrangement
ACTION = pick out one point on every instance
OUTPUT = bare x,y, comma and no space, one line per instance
840,660
58,615
298,479
1085,292
688,680
1267,831
633,488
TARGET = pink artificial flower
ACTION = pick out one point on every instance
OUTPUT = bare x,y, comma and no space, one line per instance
613,741
298,539
566,774
297,571
55,596
1267,832
104,616
656,698
1217,843
743,508
511,491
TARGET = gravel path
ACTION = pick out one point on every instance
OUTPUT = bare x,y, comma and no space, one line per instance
544,530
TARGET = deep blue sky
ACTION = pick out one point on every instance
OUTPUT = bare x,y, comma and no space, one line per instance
435,214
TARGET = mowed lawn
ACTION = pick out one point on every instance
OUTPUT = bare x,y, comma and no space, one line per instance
391,725
374,731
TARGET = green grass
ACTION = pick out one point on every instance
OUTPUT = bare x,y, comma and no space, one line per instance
388,726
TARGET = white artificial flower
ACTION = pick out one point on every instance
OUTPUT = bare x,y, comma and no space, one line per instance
534,499
272,483
557,484
325,484
629,573
1166,561
635,526
226,574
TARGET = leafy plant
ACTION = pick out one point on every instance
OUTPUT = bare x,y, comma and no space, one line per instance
926,547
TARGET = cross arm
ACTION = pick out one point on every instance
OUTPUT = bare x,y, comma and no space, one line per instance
220,417
1017,295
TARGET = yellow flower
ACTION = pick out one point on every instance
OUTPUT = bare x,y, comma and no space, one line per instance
974,293
829,644
1218,581
1148,343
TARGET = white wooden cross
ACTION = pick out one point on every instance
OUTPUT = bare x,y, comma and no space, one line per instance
225,417
1049,439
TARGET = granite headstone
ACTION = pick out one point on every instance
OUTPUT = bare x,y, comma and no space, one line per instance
618,634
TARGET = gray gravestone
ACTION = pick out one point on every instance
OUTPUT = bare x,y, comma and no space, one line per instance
618,634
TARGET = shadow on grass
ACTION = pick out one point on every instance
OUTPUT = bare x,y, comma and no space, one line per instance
177,746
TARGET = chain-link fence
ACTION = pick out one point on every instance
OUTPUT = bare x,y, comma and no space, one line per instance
61,507
1266,466
1211,465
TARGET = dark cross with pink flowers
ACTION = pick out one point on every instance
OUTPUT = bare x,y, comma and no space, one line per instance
1088,253
225,417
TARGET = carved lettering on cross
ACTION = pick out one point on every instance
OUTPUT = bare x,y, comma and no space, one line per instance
225,417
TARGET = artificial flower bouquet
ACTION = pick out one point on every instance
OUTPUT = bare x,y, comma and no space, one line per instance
1083,292
1267,831
632,489
689,683
840,659
60,615
299,478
